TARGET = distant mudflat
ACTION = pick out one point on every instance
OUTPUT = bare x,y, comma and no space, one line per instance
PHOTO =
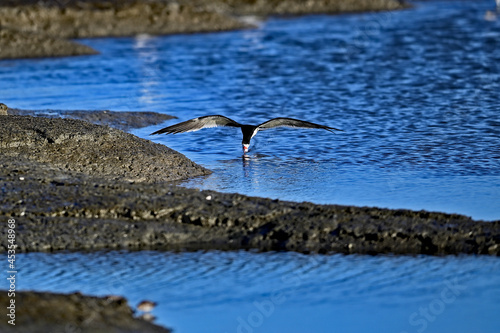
30,29
23,44
123,120
72,185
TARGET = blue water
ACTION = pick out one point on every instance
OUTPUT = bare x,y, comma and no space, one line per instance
284,292
416,92
417,95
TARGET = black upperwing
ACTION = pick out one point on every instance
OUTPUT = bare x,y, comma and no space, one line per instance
290,122
197,124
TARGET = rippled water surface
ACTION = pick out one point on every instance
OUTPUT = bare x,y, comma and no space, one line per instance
416,93
284,292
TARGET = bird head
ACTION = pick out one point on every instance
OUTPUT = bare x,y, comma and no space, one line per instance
245,147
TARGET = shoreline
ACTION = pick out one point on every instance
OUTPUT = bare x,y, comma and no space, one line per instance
63,202
44,29
58,207
111,190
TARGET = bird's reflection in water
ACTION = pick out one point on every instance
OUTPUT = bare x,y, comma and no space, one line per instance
251,163
247,160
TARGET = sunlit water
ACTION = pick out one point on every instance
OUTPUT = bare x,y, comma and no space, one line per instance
417,95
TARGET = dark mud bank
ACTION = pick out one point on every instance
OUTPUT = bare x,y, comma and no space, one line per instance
123,120
101,151
71,185
49,312
31,29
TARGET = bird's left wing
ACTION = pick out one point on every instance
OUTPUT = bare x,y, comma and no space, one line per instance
197,124
290,122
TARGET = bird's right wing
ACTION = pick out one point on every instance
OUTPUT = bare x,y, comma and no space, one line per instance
197,124
290,122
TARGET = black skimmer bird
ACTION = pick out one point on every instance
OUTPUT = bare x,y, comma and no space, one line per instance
248,131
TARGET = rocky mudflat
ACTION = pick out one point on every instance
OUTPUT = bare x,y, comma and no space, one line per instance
23,44
123,120
95,150
72,185
43,28
41,312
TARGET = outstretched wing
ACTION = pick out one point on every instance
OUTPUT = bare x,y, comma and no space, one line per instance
197,124
290,122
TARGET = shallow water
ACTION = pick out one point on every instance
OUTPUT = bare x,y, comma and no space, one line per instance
415,91
284,292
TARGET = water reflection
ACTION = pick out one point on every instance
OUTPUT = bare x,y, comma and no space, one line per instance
147,54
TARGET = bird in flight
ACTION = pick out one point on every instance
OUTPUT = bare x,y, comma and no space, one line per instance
248,131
